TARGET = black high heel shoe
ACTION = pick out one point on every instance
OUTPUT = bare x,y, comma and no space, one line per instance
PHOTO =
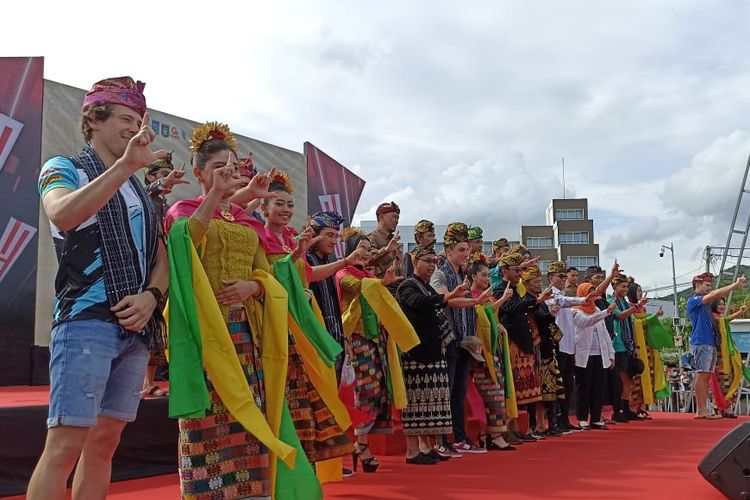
368,464
488,443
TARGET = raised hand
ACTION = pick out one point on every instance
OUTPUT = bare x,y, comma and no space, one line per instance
741,281
307,238
175,177
226,178
530,262
392,245
390,277
459,291
545,295
138,152
660,312
257,188
615,268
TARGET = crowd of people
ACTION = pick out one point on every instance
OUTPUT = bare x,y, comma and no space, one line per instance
277,347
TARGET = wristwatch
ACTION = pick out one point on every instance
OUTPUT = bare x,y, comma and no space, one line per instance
158,295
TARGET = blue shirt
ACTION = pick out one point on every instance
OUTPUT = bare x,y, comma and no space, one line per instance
704,326
79,285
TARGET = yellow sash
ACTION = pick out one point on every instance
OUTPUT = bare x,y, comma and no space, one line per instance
731,365
223,366
640,341
484,332
511,406
401,334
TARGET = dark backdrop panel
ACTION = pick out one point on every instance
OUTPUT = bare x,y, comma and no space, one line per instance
21,97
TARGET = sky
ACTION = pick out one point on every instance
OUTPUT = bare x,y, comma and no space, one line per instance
456,112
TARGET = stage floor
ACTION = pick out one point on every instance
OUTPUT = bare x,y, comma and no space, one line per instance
643,460
34,395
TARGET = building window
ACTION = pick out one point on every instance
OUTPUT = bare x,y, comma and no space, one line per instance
544,265
569,214
539,242
581,262
574,238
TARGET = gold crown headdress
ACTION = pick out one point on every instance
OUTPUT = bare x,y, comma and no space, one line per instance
284,180
209,131
351,231
477,257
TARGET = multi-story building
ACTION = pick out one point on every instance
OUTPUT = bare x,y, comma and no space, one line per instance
567,236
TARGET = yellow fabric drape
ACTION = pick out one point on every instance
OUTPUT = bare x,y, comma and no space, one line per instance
511,405
401,334
224,369
660,377
484,332
730,364
640,341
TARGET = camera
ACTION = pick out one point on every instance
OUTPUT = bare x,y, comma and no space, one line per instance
661,253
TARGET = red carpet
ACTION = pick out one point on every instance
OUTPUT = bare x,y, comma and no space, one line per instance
644,460
34,395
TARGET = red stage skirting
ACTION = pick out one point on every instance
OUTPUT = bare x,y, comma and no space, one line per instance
644,460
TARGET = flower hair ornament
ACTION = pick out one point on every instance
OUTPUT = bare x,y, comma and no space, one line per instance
478,257
351,231
210,131
283,181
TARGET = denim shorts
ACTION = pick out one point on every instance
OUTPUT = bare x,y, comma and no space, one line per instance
704,358
94,372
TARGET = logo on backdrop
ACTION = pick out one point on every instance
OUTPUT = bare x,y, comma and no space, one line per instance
16,237
10,129
167,130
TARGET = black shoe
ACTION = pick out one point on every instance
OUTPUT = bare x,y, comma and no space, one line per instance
346,472
599,426
632,415
571,427
621,419
421,459
437,456
526,438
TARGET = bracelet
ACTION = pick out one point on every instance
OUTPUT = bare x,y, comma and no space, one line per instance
158,295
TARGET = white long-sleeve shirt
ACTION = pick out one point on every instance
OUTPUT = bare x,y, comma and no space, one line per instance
564,318
586,327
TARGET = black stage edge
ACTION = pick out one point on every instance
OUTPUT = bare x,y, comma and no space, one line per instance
148,446
39,365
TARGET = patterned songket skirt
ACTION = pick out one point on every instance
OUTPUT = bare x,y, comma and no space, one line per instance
552,382
527,377
428,412
321,436
493,395
370,386
219,459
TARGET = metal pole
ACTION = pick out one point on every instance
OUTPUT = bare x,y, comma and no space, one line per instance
674,283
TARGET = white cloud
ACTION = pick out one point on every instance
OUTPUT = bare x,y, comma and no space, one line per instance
455,113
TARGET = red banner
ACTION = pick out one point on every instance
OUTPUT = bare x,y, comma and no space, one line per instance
331,187
21,96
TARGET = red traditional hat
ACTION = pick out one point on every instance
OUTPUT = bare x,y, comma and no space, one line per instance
121,90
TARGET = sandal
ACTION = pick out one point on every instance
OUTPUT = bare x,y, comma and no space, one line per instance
154,392
707,416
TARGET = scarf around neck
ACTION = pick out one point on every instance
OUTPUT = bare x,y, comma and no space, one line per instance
124,272
464,318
